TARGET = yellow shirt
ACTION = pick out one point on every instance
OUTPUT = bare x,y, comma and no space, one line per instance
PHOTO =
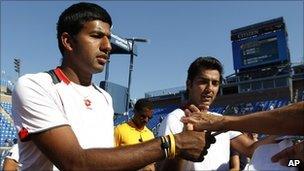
125,134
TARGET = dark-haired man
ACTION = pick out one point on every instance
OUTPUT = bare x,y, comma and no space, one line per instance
65,120
203,82
135,130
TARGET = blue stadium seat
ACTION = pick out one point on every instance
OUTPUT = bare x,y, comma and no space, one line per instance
158,115
8,133
7,107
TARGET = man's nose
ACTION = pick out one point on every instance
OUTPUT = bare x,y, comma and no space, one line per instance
106,45
209,86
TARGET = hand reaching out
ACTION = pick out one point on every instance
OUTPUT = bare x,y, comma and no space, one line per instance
209,139
189,126
294,152
201,120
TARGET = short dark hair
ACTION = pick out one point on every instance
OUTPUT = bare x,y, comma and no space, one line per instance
73,18
143,103
207,62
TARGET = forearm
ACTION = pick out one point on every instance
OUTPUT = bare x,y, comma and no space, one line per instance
69,155
234,162
121,158
286,120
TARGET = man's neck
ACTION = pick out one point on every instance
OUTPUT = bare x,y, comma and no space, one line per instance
133,122
76,76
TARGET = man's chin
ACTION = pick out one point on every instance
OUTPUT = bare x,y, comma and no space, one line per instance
98,70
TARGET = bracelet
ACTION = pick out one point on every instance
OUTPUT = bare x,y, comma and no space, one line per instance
165,145
172,146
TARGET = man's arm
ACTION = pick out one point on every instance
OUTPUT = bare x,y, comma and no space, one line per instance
60,145
294,152
246,146
10,165
285,120
234,162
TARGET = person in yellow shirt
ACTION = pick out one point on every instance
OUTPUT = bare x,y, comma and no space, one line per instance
135,131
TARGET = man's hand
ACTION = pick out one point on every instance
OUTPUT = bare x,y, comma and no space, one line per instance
294,152
201,120
191,145
204,109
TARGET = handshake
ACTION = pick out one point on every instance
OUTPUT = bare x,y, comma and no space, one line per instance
290,118
191,144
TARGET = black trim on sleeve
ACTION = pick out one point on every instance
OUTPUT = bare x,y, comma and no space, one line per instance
53,76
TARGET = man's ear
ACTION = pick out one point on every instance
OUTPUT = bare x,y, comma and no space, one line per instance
67,41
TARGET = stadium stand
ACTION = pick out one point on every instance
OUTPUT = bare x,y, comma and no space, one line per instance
158,115
8,132
7,107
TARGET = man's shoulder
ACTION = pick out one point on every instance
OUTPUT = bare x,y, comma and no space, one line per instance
34,81
122,126
172,123
173,117
177,113
37,77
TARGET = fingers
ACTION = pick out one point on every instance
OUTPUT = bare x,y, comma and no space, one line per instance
193,108
186,120
287,153
187,112
194,122
294,152
189,126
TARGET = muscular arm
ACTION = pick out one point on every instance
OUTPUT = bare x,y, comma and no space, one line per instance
60,145
247,146
285,120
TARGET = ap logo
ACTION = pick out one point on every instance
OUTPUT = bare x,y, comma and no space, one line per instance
293,163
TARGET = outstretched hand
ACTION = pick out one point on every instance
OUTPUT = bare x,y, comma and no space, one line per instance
186,107
200,119
294,152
